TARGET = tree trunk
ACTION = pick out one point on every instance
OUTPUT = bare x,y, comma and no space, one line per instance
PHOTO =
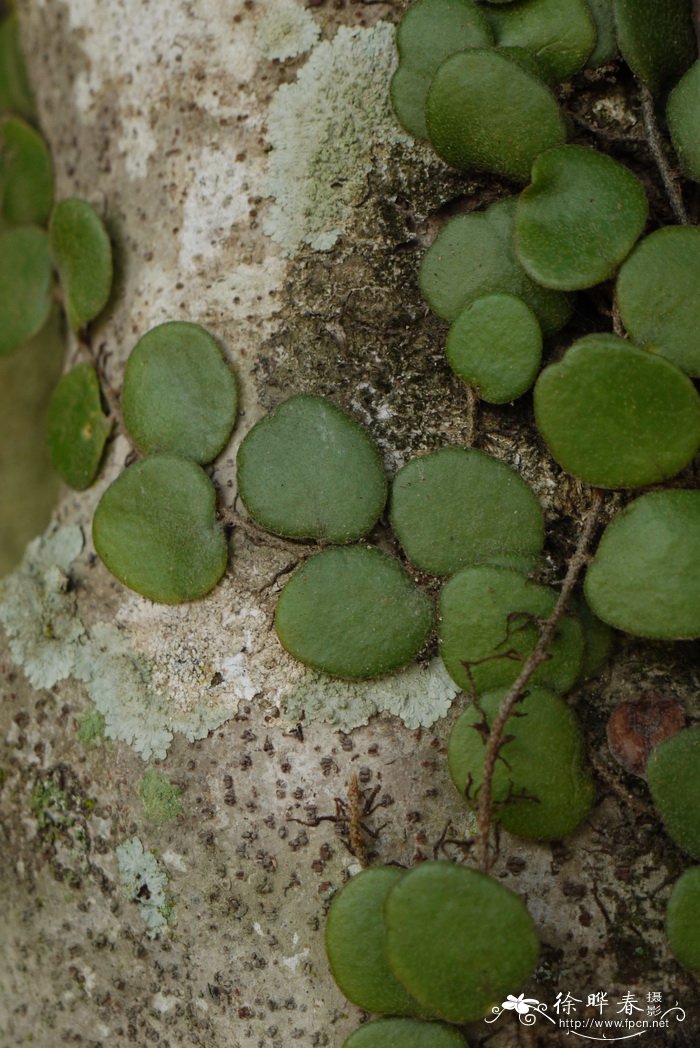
253,179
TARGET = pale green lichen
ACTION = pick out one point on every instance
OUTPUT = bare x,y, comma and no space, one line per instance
145,883
38,610
160,799
91,728
420,695
287,30
325,130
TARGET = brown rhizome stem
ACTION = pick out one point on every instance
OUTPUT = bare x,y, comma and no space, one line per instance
656,146
539,654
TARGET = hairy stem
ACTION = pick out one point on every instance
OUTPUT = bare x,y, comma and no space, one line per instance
655,141
538,655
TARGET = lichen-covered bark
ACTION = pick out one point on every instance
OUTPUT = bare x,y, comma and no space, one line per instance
252,178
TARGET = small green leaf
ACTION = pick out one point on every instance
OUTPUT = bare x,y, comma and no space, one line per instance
490,622
672,772
26,174
541,789
428,33
308,470
25,286
657,295
405,1033
459,507
82,254
15,91
457,939
645,576
597,639
76,427
682,114
353,613
179,393
485,112
473,255
656,39
155,529
616,416
579,218
355,943
560,34
683,920
606,45
495,345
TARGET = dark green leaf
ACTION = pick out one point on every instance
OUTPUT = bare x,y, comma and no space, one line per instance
26,174
560,34
25,286
656,39
82,254
672,771
77,428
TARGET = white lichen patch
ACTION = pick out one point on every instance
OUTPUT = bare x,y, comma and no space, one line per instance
420,695
38,610
216,202
145,882
325,130
285,31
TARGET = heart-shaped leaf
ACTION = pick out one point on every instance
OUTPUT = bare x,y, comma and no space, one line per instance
656,39
645,576
541,789
308,470
681,111
672,773
495,345
486,112
616,416
77,428
490,622
25,286
405,1033
459,507
26,174
457,939
82,255
560,34
179,393
683,920
579,218
355,943
155,529
473,255
657,295
428,33
353,613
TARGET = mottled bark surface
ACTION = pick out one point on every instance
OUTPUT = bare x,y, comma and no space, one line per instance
295,239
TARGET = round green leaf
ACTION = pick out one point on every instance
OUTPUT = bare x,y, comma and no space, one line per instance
485,112
405,1033
155,529
26,174
179,394
82,255
683,920
428,33
578,219
76,427
495,345
457,939
616,416
25,286
489,624
460,507
645,576
473,255
560,34
308,470
353,613
657,295
15,91
606,38
682,114
656,39
355,942
541,789
672,772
